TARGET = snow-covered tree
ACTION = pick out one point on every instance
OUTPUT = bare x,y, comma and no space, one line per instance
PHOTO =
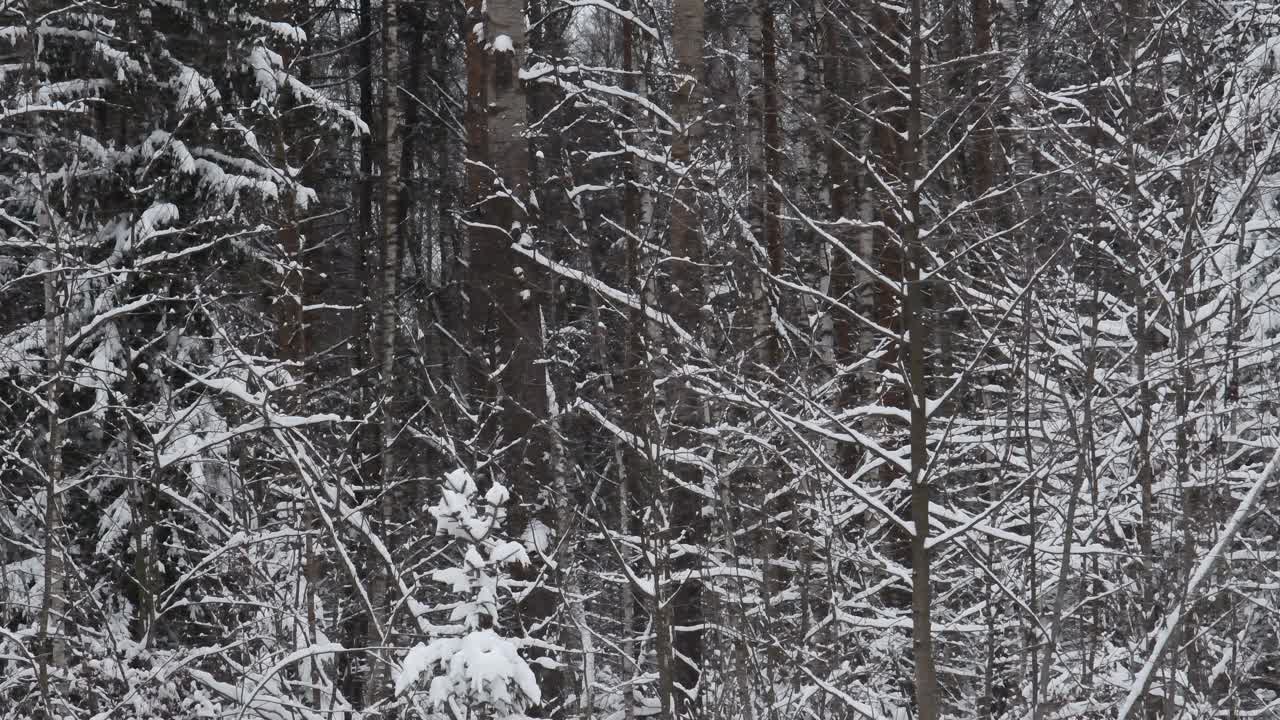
474,670
842,358
144,181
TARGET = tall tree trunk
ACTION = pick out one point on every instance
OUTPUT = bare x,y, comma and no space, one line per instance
982,179
506,288
766,148
637,380
850,193
292,342
926,680
363,441
768,490
51,648
684,616
378,686
1184,336
1134,120
834,90
290,324
984,122
53,602
886,76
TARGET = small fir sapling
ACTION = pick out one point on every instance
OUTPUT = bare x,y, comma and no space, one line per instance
477,669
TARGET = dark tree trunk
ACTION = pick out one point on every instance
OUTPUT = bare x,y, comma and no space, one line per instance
506,289
683,622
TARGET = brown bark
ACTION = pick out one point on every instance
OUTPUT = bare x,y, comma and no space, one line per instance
885,59
686,237
506,289
769,544
902,256
775,243
887,86
291,334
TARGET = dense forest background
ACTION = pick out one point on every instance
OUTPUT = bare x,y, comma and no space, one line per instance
604,359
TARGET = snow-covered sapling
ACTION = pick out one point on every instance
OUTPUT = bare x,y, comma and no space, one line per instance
477,668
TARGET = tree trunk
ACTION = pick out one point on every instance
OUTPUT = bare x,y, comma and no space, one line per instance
363,442
766,147
982,178
1144,473
834,90
506,289
636,379
292,341
378,686
926,680
984,122
52,645
683,659
849,194
1193,510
